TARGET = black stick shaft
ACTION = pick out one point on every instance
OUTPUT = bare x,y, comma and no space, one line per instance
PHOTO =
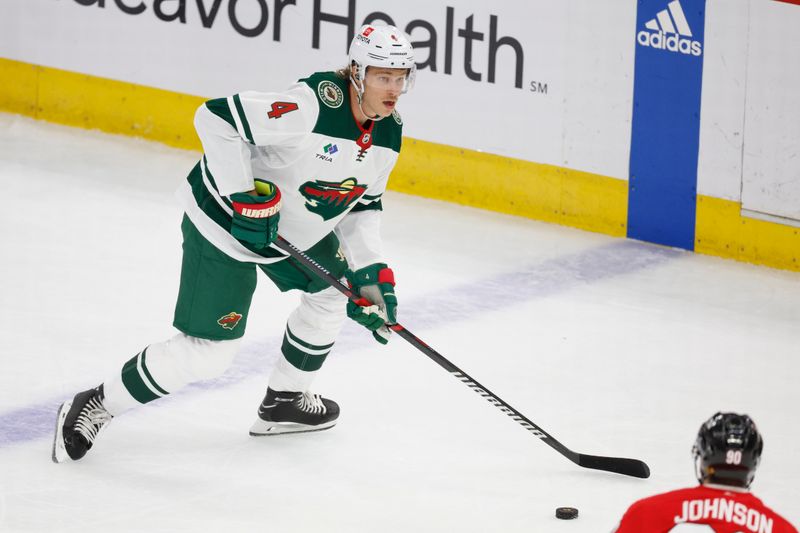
629,467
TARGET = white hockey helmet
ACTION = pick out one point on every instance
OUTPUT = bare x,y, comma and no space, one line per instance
381,46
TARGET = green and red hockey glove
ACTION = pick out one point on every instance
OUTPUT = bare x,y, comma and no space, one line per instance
255,218
378,304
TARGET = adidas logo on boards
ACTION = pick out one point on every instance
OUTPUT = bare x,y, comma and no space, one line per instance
670,31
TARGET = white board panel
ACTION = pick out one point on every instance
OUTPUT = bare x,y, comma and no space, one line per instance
771,162
719,166
567,103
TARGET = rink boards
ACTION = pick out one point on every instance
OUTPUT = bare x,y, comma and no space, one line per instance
555,124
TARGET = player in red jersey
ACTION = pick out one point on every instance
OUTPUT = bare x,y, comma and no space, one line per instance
726,454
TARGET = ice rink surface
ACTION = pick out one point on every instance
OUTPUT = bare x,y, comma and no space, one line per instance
614,347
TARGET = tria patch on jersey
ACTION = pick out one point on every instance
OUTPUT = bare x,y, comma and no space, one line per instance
329,199
230,320
330,149
330,94
396,117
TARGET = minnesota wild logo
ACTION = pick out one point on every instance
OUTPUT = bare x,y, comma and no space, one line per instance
230,320
330,94
330,199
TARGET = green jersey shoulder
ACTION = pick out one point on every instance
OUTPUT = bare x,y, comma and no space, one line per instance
336,119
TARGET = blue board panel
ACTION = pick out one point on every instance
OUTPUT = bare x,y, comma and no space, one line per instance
668,78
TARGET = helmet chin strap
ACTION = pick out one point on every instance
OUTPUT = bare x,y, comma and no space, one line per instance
376,118
360,94
360,97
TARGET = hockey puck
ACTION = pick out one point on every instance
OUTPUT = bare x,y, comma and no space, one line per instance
566,513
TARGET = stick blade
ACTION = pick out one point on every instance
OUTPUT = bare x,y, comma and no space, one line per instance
619,465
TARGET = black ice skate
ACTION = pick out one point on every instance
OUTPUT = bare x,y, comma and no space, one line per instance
78,423
294,412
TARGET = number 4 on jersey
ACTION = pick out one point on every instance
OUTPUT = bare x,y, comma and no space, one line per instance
280,108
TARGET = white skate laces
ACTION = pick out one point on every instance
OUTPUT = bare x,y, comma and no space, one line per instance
311,403
91,419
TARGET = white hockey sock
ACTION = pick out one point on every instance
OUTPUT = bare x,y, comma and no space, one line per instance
287,377
165,367
310,333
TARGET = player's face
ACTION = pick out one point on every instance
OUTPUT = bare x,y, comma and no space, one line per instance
382,89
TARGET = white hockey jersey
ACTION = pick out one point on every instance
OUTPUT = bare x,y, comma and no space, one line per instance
331,170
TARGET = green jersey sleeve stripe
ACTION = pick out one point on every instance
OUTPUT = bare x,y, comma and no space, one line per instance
218,197
220,107
243,118
374,206
371,197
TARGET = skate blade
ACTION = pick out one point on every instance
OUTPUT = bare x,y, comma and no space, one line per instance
59,450
261,428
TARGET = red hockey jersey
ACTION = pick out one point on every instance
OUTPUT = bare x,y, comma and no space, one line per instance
722,510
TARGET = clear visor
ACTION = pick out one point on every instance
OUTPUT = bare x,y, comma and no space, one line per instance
395,80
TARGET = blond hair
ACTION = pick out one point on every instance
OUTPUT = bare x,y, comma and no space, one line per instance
343,73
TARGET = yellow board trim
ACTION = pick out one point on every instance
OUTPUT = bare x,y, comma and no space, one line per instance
513,186
91,102
721,230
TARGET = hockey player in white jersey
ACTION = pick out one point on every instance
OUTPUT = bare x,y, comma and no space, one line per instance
311,163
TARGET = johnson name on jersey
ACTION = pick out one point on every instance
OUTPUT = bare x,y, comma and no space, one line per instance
305,141
719,509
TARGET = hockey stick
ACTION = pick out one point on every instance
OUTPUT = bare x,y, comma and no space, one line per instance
620,465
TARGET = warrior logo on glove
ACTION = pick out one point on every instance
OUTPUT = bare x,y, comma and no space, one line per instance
256,216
